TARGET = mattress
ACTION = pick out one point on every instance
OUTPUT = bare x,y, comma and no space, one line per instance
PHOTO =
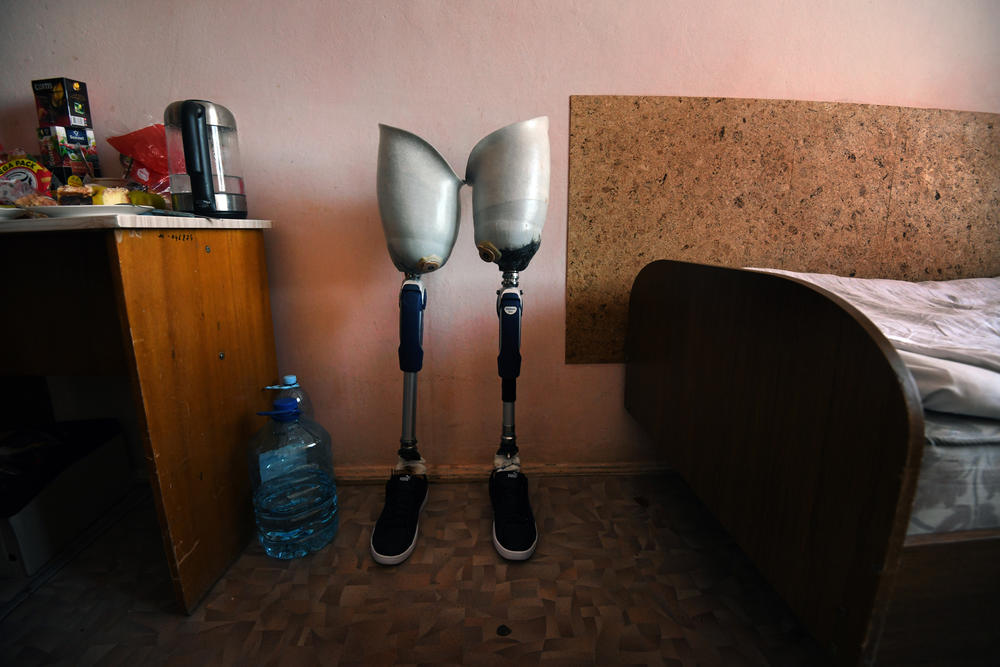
958,489
947,334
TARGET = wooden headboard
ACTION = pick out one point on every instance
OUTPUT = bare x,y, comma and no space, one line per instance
851,189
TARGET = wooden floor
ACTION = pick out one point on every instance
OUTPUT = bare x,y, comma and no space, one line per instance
629,570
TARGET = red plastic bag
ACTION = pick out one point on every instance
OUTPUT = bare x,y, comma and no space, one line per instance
144,154
148,146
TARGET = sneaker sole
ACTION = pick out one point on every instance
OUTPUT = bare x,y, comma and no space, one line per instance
514,555
382,559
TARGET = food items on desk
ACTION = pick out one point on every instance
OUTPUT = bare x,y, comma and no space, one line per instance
69,195
11,190
69,169
25,183
110,196
141,198
119,195
35,200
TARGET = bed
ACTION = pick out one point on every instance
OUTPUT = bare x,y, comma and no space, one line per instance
798,423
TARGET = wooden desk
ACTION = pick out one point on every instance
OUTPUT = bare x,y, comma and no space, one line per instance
181,306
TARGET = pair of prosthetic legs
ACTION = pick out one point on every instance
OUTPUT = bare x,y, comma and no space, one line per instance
419,204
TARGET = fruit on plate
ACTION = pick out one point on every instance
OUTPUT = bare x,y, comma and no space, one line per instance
118,195
140,198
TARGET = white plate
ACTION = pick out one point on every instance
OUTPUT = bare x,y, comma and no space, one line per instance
10,213
81,210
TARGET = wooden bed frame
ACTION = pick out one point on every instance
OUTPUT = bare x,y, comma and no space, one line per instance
796,423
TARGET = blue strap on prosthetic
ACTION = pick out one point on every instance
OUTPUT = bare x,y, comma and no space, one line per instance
412,302
509,308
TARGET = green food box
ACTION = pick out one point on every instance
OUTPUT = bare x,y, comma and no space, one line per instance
69,150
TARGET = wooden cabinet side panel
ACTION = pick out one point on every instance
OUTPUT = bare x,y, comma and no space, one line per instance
197,316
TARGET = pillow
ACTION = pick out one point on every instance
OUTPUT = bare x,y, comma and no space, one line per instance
954,387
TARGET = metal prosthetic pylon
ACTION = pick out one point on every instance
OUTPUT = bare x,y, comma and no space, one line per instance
509,311
412,302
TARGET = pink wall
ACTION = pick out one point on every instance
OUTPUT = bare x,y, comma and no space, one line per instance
308,82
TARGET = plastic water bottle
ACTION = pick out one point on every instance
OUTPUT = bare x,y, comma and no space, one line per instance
290,388
294,489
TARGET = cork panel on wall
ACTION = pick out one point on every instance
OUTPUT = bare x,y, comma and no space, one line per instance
849,189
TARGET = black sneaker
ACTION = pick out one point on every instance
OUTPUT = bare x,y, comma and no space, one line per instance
395,533
514,532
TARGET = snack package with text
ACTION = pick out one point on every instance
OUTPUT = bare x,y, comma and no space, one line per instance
22,176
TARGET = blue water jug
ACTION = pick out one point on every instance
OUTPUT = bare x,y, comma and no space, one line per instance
294,489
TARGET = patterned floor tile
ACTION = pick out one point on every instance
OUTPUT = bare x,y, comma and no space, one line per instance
628,570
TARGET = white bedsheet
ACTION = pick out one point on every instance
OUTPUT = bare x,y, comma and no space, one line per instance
950,386
947,332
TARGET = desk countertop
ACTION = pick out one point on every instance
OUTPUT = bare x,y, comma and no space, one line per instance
126,222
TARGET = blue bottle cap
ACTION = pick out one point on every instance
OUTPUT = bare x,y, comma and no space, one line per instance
286,409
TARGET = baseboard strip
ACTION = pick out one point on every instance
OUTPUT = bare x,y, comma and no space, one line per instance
369,474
